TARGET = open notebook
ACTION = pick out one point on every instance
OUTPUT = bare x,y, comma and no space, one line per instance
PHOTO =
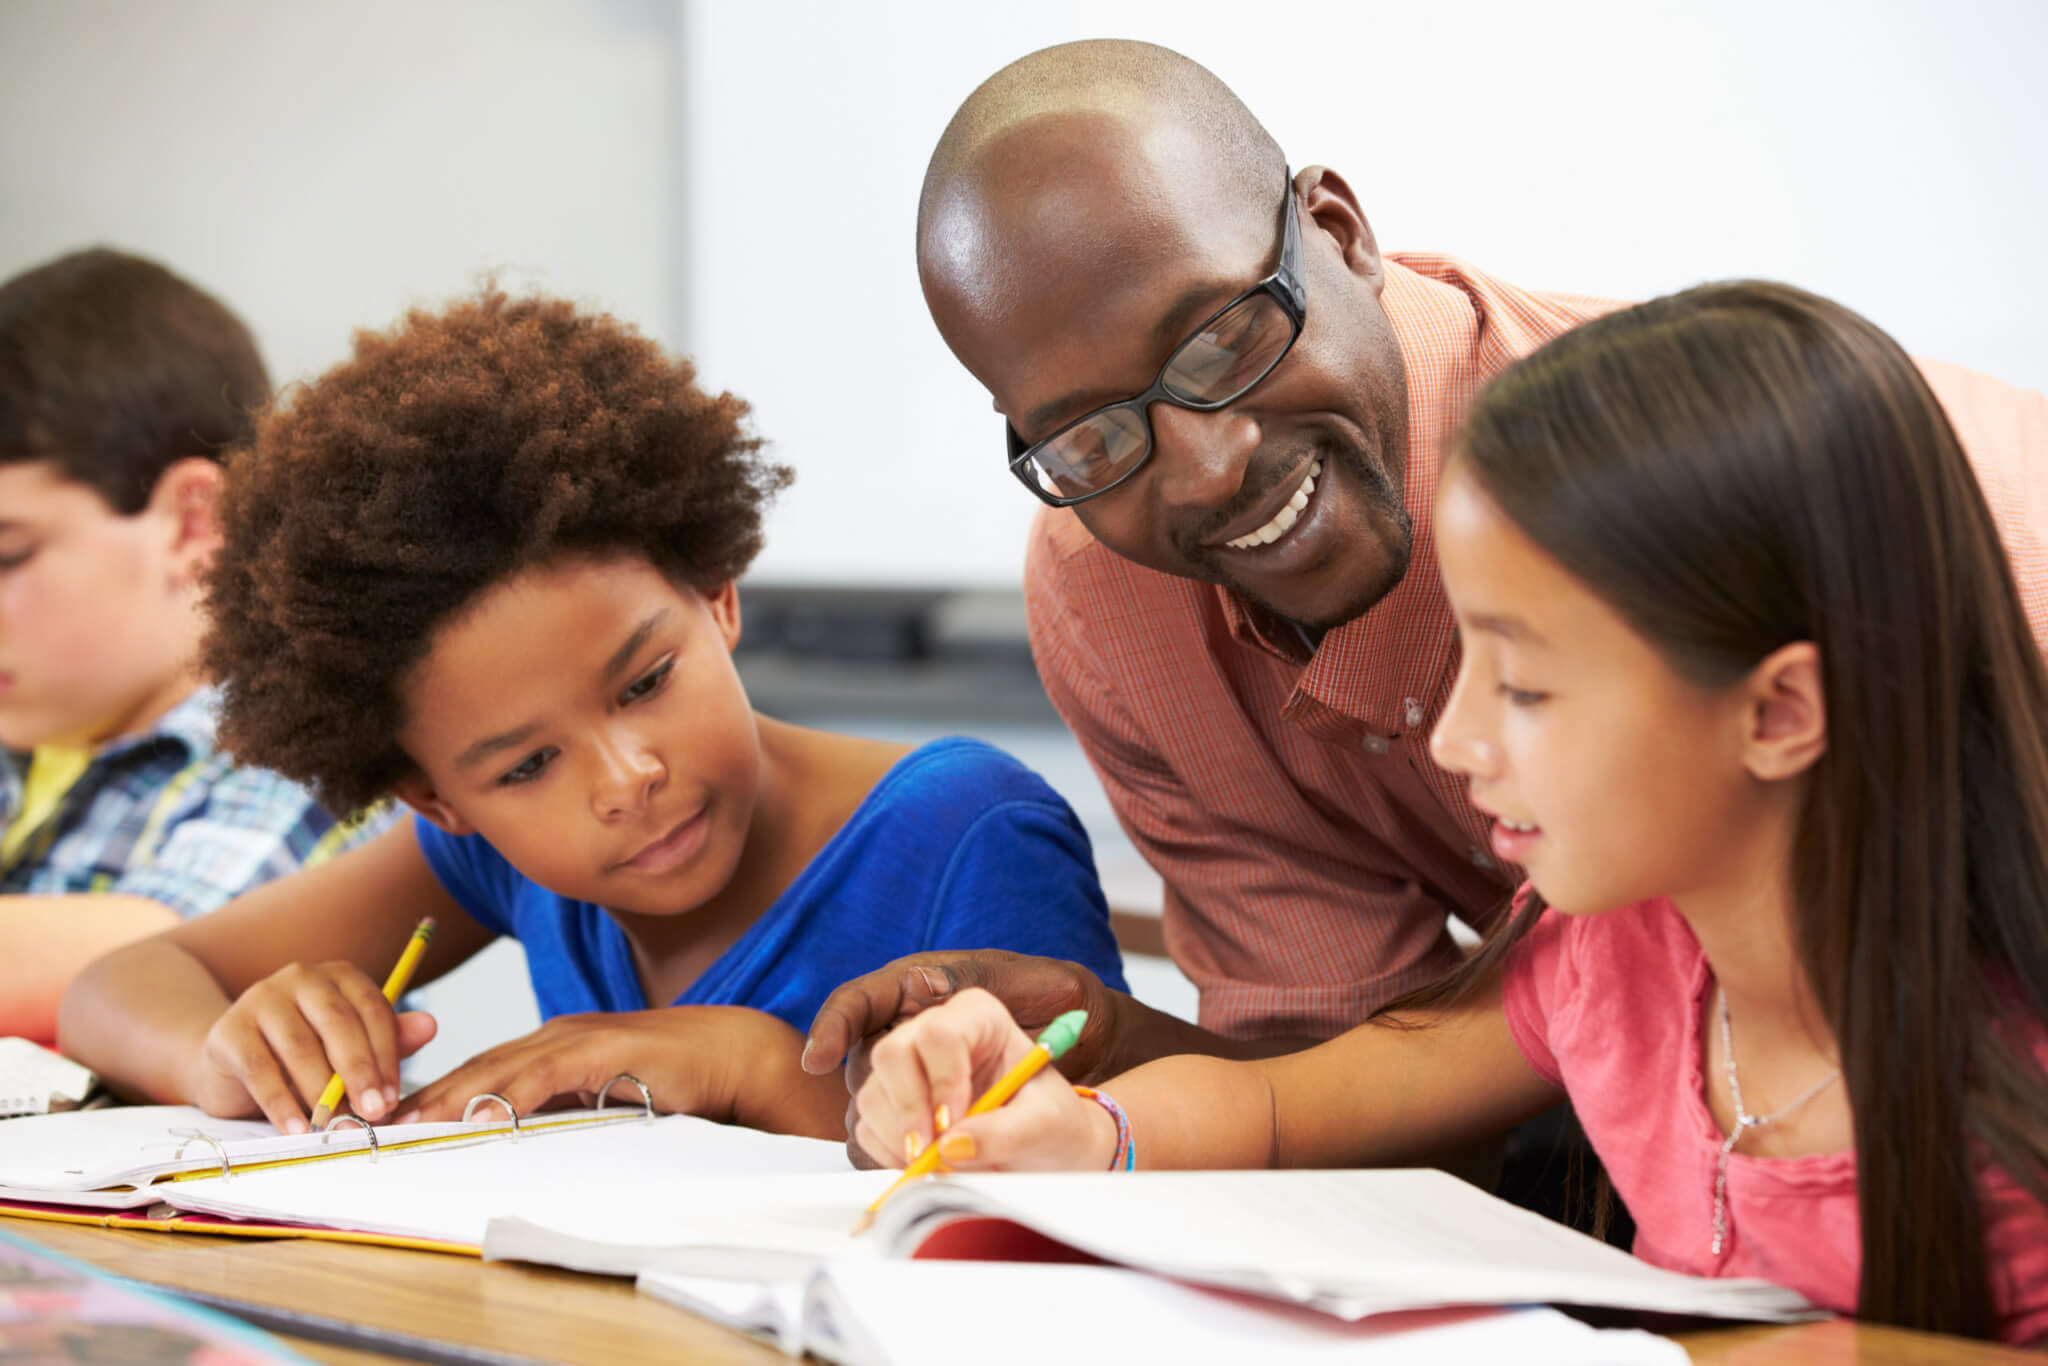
920,1313
610,1191
1349,1244
175,1169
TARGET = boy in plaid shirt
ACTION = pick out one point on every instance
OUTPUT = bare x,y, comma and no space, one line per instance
120,385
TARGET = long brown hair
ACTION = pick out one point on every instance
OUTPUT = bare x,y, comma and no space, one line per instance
1745,465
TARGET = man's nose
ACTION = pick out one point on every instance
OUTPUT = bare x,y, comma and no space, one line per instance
1202,457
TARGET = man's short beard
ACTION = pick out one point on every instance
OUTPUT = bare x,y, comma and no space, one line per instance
1382,498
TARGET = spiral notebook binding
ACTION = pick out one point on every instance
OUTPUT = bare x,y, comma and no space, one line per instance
191,1136
327,1131
474,1101
646,1096
376,1143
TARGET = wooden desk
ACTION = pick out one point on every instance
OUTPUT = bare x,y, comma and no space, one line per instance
529,1313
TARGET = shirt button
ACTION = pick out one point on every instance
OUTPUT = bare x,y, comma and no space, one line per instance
1374,744
1480,858
1413,711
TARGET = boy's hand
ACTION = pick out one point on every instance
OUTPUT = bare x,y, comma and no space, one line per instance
926,1072
274,1049
727,1063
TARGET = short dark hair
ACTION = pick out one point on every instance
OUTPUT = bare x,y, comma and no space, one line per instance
114,368
445,456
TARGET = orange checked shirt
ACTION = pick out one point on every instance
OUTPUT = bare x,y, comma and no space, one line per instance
1310,848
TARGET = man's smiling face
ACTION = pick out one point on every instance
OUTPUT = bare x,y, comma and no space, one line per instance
1082,251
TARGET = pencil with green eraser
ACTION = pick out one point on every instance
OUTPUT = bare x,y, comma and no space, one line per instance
394,987
1059,1036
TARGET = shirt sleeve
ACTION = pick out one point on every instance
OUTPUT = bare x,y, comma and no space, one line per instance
1530,988
1022,878
471,871
252,826
1243,905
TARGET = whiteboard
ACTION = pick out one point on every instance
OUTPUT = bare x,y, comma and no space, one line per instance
740,179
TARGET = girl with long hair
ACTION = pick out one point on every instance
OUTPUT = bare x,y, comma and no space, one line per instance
1748,690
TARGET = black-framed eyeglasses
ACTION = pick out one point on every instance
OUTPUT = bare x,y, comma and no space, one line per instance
1221,362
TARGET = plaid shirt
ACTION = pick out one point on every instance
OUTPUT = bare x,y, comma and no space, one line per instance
1310,847
166,816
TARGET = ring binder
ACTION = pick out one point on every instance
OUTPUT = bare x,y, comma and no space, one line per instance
474,1101
192,1136
646,1096
352,1119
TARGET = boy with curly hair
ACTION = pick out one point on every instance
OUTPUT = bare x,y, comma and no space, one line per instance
487,565
120,385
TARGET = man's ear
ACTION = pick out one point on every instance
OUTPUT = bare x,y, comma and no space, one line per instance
724,604
1785,710
1328,204
419,794
186,501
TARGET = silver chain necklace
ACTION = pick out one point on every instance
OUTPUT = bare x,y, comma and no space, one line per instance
1745,1121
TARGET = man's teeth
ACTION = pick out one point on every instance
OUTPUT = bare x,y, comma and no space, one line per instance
1285,518
1517,828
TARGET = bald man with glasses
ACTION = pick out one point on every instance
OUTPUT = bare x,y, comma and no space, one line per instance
1234,407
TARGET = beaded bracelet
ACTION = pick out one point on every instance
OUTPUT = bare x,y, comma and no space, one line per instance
1125,1158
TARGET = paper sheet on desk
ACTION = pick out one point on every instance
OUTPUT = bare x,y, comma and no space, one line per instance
886,1313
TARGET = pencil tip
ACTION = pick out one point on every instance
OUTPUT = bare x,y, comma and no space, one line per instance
321,1114
864,1223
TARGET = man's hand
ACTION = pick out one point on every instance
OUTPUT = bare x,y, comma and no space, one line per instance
1121,1034
1035,991
726,1063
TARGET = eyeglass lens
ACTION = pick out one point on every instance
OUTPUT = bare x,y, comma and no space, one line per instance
1231,353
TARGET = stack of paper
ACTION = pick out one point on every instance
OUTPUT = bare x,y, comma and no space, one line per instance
35,1081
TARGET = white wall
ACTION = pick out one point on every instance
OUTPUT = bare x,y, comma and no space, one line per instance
322,167
1880,152
741,178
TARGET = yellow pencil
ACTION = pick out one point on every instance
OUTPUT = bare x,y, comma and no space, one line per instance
1058,1037
394,987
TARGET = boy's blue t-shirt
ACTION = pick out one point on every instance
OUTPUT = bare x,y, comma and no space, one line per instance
959,846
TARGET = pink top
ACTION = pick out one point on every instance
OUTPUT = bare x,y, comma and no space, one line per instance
1590,1002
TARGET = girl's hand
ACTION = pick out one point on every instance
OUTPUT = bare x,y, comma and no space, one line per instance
274,1049
727,1063
928,1070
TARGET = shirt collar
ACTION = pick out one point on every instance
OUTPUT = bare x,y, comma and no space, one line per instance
189,726
1390,668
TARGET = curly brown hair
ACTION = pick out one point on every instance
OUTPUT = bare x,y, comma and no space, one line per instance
445,456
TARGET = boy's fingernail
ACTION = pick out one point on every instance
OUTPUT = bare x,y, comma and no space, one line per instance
942,1118
405,1117
373,1102
913,1144
295,1125
958,1147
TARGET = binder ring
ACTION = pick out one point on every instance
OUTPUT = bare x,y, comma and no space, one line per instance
646,1096
328,1129
475,1101
192,1136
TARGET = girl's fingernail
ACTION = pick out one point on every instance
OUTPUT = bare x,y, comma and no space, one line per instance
373,1102
942,1118
295,1125
958,1148
913,1144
